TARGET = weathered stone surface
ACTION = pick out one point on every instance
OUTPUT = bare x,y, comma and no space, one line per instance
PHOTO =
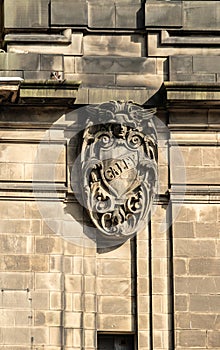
26,14
161,13
16,61
9,73
213,339
72,47
206,64
68,13
100,64
189,338
51,281
129,15
200,15
92,80
101,14
204,303
96,95
149,81
110,45
116,322
39,75
51,62
204,266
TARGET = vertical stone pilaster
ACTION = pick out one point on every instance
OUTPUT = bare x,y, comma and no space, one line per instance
143,318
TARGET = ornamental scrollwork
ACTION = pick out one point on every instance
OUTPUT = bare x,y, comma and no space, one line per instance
119,166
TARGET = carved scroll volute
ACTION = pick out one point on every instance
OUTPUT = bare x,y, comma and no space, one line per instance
119,167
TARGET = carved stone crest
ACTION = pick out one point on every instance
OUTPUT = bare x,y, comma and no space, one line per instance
119,166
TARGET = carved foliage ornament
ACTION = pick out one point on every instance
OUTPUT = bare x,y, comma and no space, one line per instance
119,167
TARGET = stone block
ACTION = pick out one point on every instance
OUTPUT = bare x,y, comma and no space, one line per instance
204,267
11,171
73,319
205,230
89,321
203,321
191,338
112,45
47,318
196,285
114,268
180,65
115,323
213,339
16,281
92,80
69,64
73,283
51,62
51,281
159,286
180,267
23,226
18,336
45,172
56,300
74,47
208,64
90,339
90,302
181,303
15,300
12,210
100,64
206,78
19,61
123,252
121,305
16,244
160,321
160,248
55,338
129,15
40,300
143,322
26,14
14,318
55,263
14,73
184,229
69,13
163,14
90,284
200,15
10,153
101,14
94,95
194,248
149,81
46,245
199,117
204,303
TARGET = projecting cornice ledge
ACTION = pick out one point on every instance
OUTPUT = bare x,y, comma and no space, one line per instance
15,90
204,93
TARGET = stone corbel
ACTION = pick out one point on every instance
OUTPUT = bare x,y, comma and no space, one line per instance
9,89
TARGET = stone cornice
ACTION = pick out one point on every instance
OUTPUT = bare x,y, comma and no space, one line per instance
177,92
18,91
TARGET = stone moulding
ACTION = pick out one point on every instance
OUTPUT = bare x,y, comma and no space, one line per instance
118,167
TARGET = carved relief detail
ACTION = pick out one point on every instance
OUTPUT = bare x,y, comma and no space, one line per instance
119,166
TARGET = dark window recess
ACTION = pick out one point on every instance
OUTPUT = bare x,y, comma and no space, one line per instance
115,342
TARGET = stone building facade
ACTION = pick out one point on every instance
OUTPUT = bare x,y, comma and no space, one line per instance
59,288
